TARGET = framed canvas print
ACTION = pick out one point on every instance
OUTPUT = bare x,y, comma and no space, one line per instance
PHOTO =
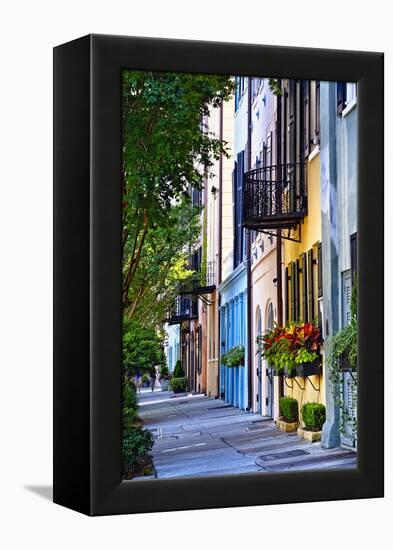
218,275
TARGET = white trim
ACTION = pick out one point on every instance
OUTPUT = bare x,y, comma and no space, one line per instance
313,153
351,105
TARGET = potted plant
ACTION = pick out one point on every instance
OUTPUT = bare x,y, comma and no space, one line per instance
313,416
165,377
179,385
234,357
289,414
292,350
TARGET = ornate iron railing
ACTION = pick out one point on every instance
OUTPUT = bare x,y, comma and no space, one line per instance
184,308
202,281
274,197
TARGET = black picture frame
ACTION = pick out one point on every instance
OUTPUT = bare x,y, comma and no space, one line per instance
87,275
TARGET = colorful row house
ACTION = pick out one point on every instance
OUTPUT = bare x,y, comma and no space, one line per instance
278,242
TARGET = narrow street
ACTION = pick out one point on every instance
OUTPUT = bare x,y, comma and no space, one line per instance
196,435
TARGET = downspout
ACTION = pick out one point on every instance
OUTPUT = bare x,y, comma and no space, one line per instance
248,258
219,252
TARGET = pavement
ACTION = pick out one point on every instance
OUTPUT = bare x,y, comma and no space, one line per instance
195,435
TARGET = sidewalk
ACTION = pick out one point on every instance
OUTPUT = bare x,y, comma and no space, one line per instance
196,435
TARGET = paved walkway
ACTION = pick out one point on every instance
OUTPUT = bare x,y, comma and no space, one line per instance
196,435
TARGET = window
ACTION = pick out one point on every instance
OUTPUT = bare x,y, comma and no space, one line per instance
238,174
346,94
240,88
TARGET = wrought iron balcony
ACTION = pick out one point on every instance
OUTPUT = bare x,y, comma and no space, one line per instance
203,281
184,308
274,197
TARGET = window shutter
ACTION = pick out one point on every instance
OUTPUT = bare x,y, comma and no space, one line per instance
317,110
293,306
304,288
240,175
347,290
234,192
297,290
306,117
310,285
286,295
320,289
340,97
354,256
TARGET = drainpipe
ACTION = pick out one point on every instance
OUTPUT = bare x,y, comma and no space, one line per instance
219,254
279,297
248,256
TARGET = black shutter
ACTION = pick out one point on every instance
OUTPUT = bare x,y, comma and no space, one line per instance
293,310
354,256
320,290
306,117
297,291
317,110
238,209
304,288
341,89
292,143
234,192
286,295
310,285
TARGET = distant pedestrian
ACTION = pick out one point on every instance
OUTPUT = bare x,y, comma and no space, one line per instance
153,376
138,381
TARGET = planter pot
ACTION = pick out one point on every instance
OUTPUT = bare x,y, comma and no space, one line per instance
309,369
285,426
164,385
344,365
309,435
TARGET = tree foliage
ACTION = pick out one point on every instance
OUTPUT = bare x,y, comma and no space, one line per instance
142,348
165,153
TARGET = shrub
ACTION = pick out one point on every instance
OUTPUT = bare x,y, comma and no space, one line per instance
179,385
145,379
178,371
314,416
164,373
136,444
130,418
288,408
129,395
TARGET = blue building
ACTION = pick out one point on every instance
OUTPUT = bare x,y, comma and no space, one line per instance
233,289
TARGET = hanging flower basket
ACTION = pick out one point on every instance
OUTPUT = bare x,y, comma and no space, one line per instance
234,357
344,363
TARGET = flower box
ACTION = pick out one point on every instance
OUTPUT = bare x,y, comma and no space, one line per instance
309,369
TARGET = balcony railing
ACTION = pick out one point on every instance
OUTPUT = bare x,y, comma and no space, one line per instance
202,281
184,308
274,197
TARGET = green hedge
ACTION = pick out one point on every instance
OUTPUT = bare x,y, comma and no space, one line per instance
136,444
129,395
314,416
288,408
178,371
179,385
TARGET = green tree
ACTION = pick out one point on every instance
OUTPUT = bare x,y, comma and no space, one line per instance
142,348
165,153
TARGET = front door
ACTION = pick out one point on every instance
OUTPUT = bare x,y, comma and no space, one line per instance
259,365
269,371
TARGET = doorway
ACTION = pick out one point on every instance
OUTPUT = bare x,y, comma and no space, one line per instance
269,371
